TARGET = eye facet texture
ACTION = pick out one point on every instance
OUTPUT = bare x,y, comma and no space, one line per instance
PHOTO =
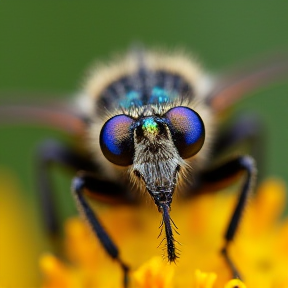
116,140
187,129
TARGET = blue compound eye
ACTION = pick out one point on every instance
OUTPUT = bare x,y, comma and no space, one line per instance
116,140
187,129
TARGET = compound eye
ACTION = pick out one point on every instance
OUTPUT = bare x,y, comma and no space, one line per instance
187,129
116,140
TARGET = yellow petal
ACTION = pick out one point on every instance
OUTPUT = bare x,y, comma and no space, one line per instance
204,280
269,204
19,238
154,274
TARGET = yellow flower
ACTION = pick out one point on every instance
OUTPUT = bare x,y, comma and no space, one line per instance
259,251
19,238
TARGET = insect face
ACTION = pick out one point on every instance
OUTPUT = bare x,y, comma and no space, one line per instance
155,146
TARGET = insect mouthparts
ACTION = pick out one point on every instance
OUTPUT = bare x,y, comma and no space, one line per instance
162,197
170,246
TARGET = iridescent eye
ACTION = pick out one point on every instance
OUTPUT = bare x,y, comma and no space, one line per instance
116,140
187,129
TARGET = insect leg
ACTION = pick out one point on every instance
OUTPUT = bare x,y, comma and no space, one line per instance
49,153
230,170
246,130
52,152
87,182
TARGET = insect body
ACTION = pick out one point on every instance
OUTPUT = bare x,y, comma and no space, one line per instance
150,119
149,124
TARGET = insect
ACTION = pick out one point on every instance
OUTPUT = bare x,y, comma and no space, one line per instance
150,122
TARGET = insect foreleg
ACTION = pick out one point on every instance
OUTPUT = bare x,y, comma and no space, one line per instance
52,152
79,185
228,171
248,132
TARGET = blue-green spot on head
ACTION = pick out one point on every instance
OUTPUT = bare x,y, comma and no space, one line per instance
150,126
160,95
132,98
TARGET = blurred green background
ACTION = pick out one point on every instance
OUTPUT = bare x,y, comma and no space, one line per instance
45,46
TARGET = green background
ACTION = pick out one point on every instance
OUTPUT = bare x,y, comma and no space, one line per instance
45,46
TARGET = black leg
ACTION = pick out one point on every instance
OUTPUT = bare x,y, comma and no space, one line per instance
248,133
221,174
52,152
88,182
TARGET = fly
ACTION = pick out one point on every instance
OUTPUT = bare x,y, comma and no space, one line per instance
152,119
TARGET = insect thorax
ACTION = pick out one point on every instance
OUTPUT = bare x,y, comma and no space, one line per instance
143,89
